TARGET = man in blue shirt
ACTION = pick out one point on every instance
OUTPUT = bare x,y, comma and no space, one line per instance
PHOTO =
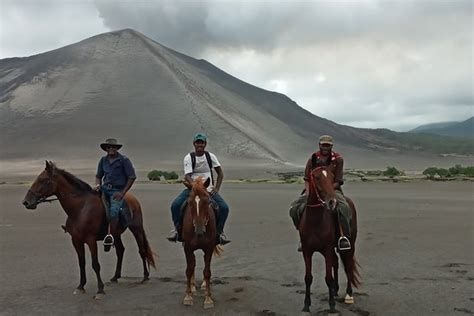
115,176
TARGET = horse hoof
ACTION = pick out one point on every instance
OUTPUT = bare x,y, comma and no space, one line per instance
203,285
193,289
333,312
208,303
99,296
144,280
349,299
114,279
188,300
79,291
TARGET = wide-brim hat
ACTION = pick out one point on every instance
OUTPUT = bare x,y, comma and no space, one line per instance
325,139
110,142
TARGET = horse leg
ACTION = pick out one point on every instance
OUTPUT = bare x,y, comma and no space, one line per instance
119,250
193,284
348,299
139,237
190,265
308,279
336,276
79,246
329,258
96,266
208,302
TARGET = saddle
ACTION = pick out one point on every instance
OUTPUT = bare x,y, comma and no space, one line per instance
125,215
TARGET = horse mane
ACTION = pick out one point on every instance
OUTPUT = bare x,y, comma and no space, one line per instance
198,188
77,183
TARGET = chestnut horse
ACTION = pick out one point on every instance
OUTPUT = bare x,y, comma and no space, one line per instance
199,232
86,220
318,233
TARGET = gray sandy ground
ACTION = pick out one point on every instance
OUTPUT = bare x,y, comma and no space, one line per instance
414,247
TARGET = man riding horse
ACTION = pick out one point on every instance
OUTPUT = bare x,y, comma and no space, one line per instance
115,176
200,164
334,161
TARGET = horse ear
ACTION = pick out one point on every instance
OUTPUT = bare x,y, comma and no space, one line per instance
208,181
49,167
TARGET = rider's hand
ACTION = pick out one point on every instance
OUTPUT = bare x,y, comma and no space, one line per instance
97,187
118,196
213,191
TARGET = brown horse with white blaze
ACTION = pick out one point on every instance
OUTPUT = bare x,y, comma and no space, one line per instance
86,220
318,234
199,232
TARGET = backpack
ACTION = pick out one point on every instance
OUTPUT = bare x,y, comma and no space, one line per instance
209,162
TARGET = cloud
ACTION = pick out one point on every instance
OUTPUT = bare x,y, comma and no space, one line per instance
33,27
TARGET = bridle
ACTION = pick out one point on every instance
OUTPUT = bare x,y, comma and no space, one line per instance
313,186
41,198
206,220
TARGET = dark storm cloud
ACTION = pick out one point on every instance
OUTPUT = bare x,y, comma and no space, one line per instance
194,26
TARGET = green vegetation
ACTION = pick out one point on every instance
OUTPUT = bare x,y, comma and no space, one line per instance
155,175
291,177
392,172
457,170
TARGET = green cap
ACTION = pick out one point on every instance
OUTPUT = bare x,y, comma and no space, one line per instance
200,136
325,139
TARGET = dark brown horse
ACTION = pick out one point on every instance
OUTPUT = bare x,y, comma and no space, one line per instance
199,232
318,233
86,220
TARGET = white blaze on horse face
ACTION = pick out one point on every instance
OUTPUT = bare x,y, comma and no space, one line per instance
197,204
325,173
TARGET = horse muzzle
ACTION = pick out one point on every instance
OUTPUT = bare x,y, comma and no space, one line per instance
30,205
200,230
331,204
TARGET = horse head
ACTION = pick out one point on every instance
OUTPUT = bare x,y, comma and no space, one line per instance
199,203
322,187
43,187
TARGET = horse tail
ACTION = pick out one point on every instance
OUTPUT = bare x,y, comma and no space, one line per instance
351,267
137,215
149,254
350,263
218,250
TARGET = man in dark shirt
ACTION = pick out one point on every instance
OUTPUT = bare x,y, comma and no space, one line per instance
115,176
335,163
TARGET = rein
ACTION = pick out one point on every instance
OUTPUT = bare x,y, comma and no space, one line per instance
312,186
42,198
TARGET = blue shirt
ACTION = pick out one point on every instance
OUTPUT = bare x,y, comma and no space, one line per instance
117,172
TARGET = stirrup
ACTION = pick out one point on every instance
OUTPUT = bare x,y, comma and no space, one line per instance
173,237
343,240
110,243
222,239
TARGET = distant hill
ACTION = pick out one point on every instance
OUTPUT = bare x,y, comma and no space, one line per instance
428,142
63,103
455,129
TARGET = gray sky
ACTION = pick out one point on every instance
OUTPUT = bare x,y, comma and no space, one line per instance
367,63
